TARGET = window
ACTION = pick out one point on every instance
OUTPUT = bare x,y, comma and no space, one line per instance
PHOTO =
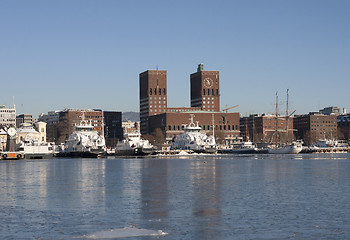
164,92
150,91
208,91
203,91
160,91
228,127
212,92
217,92
155,91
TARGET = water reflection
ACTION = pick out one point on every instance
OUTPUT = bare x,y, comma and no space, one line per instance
206,197
154,189
226,197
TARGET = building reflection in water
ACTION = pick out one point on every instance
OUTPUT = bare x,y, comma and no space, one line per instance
154,190
206,196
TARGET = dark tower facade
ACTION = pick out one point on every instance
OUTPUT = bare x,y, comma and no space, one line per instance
153,96
205,89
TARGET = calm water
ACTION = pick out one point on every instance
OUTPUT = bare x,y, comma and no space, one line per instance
223,197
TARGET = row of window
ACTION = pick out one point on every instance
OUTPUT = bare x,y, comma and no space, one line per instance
157,98
212,92
156,102
225,135
323,125
206,127
155,91
156,106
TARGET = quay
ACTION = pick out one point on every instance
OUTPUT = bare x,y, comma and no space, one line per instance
326,150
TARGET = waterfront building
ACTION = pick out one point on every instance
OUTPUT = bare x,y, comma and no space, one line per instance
113,131
315,126
226,125
205,90
343,123
24,118
205,105
153,96
266,127
131,127
35,131
51,119
68,118
331,111
7,116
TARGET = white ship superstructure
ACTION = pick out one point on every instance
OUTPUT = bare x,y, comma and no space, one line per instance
193,139
84,142
133,144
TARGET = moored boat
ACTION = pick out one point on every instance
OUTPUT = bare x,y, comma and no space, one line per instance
133,145
193,139
84,142
292,148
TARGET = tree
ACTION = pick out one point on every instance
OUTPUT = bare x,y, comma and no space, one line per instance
220,137
158,136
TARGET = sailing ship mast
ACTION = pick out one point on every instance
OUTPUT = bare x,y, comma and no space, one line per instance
276,122
287,115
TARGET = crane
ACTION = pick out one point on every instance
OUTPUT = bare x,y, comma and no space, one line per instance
228,108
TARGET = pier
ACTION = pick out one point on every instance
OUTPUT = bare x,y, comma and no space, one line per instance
326,150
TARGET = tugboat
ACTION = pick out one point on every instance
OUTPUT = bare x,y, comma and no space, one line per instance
193,139
84,142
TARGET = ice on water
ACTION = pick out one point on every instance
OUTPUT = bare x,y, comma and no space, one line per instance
123,233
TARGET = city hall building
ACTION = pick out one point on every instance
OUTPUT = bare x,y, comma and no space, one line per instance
205,106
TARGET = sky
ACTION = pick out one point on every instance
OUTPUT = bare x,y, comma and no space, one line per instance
89,54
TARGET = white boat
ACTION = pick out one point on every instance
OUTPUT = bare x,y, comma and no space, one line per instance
292,148
246,147
30,144
193,139
327,143
84,142
33,149
133,144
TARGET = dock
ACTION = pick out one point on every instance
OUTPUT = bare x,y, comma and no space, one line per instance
326,150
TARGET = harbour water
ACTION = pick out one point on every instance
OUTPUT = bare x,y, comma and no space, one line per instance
303,196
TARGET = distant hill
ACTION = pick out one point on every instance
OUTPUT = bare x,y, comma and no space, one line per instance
132,116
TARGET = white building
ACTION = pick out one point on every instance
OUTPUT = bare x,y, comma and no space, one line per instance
7,116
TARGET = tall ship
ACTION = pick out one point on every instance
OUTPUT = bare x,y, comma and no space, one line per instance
193,139
133,145
84,142
292,147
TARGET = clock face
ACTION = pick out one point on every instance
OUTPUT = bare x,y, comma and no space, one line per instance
208,82
11,131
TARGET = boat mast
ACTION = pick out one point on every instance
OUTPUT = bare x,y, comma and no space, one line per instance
287,115
276,127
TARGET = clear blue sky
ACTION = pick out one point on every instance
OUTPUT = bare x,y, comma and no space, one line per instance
88,54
